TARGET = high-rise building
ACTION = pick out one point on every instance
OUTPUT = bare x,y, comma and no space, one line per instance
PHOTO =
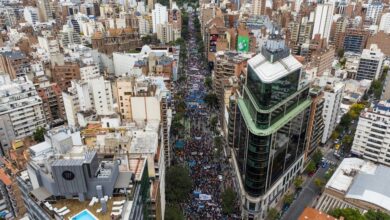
353,40
31,15
316,124
229,68
258,7
159,16
269,130
333,91
53,106
371,138
370,64
374,11
15,63
384,25
323,20
45,10
68,36
21,111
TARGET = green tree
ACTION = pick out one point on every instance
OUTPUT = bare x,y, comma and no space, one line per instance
319,182
273,214
211,99
288,199
39,134
229,197
335,135
213,122
347,213
311,167
178,184
340,53
328,174
376,215
173,212
317,156
347,142
298,182
345,121
208,82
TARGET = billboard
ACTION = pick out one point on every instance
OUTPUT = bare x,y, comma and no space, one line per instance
213,42
243,44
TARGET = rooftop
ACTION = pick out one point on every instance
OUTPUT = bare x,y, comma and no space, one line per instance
269,72
362,180
313,214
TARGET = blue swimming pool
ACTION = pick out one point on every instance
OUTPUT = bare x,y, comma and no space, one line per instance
84,215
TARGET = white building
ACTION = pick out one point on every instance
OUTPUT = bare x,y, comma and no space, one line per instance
159,16
370,64
93,94
31,15
333,91
69,36
165,33
124,62
384,25
258,7
21,111
144,25
323,20
89,71
374,11
371,140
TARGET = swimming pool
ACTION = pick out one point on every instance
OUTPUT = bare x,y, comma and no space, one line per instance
84,215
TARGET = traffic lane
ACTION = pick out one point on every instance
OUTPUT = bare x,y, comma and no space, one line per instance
305,198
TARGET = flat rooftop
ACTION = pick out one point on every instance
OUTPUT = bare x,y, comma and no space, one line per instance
362,180
269,72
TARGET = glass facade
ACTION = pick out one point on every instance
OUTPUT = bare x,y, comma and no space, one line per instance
268,95
263,159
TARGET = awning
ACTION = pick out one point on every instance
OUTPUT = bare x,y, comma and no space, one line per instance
41,194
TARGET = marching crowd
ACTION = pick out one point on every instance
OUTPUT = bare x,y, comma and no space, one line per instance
206,167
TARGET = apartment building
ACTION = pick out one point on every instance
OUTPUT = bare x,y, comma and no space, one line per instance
333,90
372,140
64,74
85,95
228,70
15,63
21,110
316,125
370,64
142,99
52,102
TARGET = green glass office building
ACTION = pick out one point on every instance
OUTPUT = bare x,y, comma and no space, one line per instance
268,132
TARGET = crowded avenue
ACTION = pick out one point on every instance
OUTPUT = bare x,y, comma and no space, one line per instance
209,170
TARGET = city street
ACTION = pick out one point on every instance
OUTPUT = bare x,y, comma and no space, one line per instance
310,192
209,169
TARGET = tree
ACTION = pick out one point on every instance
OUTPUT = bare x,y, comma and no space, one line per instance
340,53
317,156
208,82
173,212
39,134
347,213
298,182
213,122
178,184
288,199
228,201
335,135
311,167
376,215
347,141
345,121
319,182
273,214
211,99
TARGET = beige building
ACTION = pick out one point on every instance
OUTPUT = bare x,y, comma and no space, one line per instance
357,184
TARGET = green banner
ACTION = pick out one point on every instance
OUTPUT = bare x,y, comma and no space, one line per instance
243,44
